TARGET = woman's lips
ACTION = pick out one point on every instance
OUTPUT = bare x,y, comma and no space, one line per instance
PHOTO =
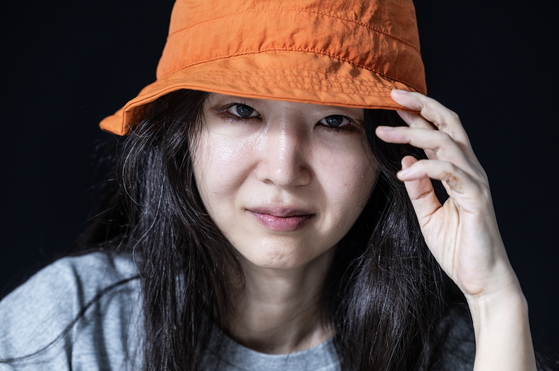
281,223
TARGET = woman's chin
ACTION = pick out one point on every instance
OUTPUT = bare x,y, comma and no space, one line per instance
280,256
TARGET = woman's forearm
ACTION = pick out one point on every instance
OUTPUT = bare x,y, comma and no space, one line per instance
502,331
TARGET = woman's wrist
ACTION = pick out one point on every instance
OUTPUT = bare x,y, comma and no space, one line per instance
502,331
506,302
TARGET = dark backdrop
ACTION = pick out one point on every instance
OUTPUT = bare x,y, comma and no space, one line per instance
67,64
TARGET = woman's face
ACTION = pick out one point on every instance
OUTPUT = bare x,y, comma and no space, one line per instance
283,181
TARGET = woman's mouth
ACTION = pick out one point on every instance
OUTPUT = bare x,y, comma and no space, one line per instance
281,220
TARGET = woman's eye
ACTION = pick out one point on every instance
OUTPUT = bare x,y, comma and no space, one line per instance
242,111
335,121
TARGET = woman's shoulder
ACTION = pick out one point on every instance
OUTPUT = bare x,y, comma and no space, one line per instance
71,278
90,299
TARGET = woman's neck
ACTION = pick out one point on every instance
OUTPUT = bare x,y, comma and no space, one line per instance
279,310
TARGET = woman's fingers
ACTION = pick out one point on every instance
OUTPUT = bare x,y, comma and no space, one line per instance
439,132
434,113
460,184
415,121
438,145
421,192
417,175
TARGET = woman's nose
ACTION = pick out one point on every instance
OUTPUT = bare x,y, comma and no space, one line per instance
283,159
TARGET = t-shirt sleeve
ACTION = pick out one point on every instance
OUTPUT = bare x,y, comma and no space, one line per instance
40,322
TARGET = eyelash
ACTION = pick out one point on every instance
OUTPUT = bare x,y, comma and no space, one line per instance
235,118
349,127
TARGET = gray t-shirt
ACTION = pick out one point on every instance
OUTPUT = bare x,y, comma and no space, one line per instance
107,337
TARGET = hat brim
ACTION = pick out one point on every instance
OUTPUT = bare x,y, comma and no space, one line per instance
279,75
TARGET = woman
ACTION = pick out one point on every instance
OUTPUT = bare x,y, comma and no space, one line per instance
256,198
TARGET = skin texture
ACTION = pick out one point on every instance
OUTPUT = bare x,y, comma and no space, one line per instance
283,156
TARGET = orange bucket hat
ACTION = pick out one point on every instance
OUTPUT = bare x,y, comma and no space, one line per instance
348,53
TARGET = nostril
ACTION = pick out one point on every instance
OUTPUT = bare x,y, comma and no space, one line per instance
284,172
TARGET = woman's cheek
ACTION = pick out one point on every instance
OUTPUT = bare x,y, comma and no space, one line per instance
349,174
226,163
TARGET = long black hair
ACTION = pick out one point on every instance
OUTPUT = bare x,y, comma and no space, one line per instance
388,301
384,292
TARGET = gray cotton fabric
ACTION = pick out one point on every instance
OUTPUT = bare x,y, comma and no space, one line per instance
108,336
236,357
105,338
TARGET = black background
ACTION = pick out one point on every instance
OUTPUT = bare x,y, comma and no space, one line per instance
65,65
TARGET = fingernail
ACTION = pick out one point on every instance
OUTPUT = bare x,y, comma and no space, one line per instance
404,172
400,91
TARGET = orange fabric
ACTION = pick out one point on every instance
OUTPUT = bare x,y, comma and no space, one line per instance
348,53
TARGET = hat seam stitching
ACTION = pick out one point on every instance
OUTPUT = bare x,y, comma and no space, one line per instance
347,90
377,30
358,89
293,49
302,70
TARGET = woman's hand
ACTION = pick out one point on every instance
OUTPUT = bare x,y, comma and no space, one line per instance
462,233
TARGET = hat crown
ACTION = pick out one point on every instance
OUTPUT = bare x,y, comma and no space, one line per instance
387,15
377,35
